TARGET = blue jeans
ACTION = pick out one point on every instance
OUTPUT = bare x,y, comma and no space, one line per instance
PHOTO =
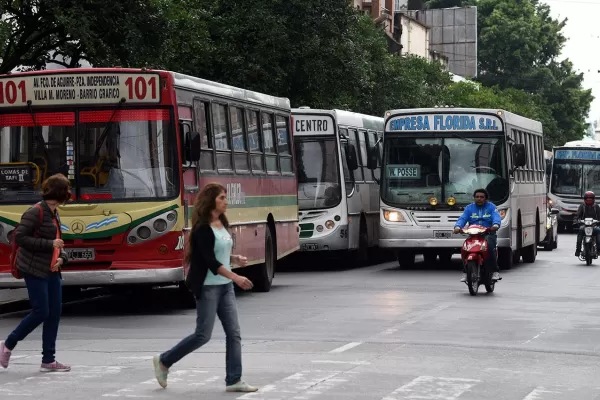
45,296
214,300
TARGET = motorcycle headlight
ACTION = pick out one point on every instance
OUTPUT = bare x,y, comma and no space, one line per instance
588,230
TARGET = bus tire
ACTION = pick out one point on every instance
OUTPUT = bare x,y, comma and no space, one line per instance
529,253
263,274
363,243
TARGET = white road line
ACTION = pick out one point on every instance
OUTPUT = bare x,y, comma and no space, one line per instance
183,378
432,388
427,314
302,385
340,362
346,347
535,337
538,393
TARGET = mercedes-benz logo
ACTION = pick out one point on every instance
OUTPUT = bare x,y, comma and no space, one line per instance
77,227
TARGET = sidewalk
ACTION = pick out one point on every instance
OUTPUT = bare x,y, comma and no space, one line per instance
8,295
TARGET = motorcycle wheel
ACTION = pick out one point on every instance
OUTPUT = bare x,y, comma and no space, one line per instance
489,287
472,277
588,254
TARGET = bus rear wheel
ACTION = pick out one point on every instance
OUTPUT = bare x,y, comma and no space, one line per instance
262,274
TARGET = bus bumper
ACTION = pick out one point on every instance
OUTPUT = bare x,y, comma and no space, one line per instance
335,240
432,243
107,277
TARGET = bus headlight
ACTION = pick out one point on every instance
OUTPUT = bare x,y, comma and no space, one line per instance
393,216
329,224
152,228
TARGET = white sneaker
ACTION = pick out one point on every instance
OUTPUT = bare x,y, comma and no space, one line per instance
241,386
464,277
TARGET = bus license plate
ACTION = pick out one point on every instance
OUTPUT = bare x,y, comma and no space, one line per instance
309,247
442,234
81,254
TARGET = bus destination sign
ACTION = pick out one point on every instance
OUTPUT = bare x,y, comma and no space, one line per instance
313,125
79,88
577,155
445,123
12,174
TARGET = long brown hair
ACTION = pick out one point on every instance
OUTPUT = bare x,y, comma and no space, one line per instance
204,204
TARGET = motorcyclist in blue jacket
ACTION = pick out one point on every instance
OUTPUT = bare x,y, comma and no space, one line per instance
484,213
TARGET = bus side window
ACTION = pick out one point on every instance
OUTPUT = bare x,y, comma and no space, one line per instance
220,128
353,137
283,144
201,126
372,141
254,141
238,135
348,175
269,142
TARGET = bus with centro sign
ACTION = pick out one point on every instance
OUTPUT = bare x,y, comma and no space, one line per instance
433,161
338,195
575,169
137,146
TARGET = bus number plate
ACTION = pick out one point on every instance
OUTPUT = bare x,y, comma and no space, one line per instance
442,234
309,247
81,254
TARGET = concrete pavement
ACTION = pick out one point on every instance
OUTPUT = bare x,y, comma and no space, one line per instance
371,333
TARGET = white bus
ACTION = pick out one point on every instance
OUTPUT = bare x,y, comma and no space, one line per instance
435,158
338,196
575,170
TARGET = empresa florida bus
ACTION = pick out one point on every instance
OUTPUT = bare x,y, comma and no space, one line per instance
435,158
338,195
575,170
137,146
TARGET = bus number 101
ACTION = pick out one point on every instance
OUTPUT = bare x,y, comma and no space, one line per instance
139,87
9,92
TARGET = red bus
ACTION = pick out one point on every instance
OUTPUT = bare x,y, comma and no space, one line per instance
138,145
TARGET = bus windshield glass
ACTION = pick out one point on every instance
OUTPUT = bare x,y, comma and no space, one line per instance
418,169
107,154
574,178
318,173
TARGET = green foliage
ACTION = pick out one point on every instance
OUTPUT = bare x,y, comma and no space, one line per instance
317,53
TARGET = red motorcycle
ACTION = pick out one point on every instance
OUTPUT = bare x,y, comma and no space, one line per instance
474,254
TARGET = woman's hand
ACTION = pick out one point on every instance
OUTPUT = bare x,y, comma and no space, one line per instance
243,282
239,260
58,243
56,267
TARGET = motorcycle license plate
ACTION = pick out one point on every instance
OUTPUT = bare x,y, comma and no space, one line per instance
442,234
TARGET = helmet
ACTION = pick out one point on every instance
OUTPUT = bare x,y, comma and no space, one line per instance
589,197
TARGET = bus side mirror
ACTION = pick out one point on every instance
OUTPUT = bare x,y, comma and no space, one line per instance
372,158
519,155
554,211
192,146
351,158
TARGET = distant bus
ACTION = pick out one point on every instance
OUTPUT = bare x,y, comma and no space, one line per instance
338,195
435,158
137,146
575,170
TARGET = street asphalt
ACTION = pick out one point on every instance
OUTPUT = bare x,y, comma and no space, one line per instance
377,332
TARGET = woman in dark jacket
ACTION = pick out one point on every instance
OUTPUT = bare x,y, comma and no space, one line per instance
210,278
39,240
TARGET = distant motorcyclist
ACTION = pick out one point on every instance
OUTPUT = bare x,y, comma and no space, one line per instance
587,210
484,213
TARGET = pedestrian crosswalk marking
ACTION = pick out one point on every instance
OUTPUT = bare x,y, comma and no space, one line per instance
181,378
432,388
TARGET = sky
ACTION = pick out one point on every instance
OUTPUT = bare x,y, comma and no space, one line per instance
583,42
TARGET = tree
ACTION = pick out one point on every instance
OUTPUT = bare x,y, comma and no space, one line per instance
33,33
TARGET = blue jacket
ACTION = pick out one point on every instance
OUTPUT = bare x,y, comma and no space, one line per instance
486,216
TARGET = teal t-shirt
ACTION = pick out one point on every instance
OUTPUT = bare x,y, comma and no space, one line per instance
223,245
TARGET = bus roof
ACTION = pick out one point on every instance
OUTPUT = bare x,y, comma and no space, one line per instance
587,143
344,117
507,116
181,81
220,89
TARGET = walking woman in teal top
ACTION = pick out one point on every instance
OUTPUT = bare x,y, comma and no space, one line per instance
210,278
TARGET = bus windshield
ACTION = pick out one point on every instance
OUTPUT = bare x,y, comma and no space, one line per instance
107,154
418,169
318,173
573,178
